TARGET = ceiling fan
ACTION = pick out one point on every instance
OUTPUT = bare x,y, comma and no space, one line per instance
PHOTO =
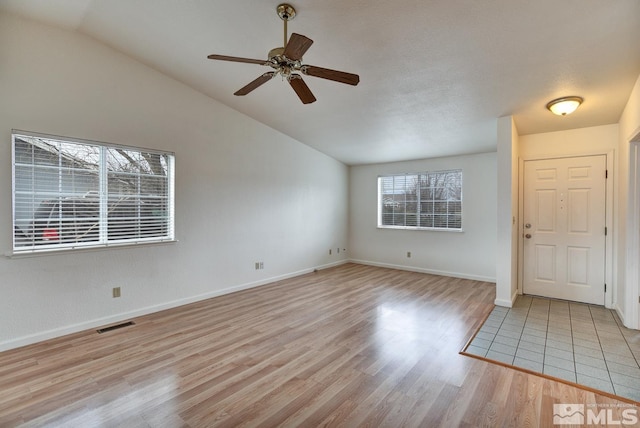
287,62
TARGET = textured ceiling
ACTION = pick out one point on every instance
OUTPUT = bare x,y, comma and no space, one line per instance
434,75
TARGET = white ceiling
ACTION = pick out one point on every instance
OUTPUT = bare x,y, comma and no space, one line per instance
434,75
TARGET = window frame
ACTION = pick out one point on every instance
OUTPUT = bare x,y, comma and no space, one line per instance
380,204
101,199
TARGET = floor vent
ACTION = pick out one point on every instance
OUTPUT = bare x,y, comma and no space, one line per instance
115,327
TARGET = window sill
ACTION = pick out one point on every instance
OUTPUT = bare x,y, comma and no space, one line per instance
82,249
422,229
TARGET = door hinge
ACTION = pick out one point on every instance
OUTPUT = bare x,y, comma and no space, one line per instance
605,231
605,288
606,173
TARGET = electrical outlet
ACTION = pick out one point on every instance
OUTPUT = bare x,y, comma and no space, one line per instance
261,265
409,254
116,292
257,265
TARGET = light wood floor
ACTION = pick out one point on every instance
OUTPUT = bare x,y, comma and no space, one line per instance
348,346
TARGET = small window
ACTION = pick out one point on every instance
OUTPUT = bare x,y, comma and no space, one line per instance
79,194
430,200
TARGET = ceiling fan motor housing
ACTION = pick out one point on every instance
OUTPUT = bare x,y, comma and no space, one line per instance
276,52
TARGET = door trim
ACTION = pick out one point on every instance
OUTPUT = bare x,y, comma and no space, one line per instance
608,267
632,274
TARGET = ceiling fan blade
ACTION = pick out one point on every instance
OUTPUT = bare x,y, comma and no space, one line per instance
255,83
301,88
336,76
297,46
238,59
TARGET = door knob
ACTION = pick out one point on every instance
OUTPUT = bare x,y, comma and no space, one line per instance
528,225
528,236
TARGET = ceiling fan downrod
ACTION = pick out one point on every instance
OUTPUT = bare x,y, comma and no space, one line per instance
286,12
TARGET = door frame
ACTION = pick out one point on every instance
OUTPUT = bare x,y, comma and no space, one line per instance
632,274
609,186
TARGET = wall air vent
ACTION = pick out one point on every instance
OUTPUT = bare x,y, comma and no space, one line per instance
115,327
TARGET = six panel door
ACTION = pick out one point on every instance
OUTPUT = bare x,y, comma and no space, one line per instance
564,228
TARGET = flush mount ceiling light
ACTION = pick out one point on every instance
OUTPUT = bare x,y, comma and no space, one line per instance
564,106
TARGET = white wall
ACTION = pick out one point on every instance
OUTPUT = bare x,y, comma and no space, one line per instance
468,254
629,211
507,205
244,192
574,142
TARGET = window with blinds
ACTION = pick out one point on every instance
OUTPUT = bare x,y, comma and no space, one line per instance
78,194
430,200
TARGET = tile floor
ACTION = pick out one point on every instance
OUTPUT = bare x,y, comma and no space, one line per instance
581,343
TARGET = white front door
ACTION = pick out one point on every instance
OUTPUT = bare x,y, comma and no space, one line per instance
564,228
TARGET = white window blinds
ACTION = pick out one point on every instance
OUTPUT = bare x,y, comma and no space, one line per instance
430,200
71,194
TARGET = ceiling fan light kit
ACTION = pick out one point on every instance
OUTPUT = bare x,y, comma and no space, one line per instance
286,62
565,105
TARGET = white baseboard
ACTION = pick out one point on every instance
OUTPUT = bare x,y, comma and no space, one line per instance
507,303
625,322
620,313
112,319
424,270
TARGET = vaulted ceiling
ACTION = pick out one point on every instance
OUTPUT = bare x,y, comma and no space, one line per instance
434,75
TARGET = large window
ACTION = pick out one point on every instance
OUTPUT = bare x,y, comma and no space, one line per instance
430,200
77,194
